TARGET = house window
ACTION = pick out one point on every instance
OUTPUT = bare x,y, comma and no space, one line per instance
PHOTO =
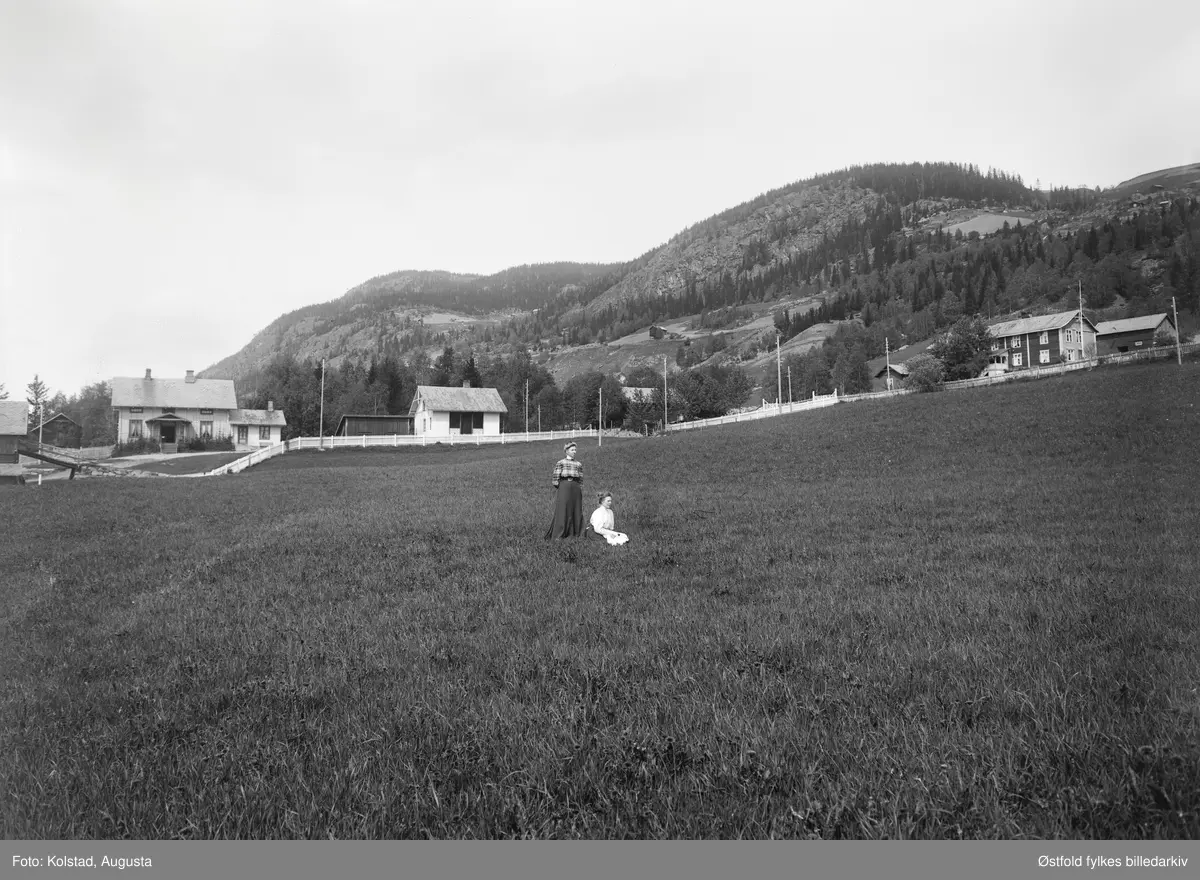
135,428
206,430
243,434
455,421
995,345
264,432
1044,339
135,409
1015,342
477,418
1016,359
1044,356
206,412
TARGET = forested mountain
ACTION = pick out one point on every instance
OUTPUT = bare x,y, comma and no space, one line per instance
871,250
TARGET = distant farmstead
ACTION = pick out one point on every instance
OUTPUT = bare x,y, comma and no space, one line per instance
1047,339
450,412
1134,334
14,422
58,430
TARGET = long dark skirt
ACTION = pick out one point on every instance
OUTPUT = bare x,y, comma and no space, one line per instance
568,511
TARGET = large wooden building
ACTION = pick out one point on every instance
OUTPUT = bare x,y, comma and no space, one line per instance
374,426
1046,339
450,412
14,422
59,430
1135,334
173,411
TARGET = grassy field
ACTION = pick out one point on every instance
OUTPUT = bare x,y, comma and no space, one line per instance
950,615
190,463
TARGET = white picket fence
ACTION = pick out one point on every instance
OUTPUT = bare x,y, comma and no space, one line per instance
390,440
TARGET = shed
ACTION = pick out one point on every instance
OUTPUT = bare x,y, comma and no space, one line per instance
59,430
373,425
14,422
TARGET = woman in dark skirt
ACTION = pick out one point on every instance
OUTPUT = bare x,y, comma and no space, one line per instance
568,497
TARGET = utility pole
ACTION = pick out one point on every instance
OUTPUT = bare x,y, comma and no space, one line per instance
539,418
1178,352
41,421
600,419
664,394
321,426
1082,345
526,406
789,383
778,374
887,353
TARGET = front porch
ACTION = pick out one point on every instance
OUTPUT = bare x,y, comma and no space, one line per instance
172,431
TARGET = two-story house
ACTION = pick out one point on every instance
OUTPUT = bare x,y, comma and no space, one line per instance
1045,339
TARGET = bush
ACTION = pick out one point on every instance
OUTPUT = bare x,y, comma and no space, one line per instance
925,373
208,444
140,446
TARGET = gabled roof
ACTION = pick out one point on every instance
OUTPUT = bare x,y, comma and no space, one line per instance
1036,325
1128,325
896,368
55,418
257,417
14,417
179,393
453,399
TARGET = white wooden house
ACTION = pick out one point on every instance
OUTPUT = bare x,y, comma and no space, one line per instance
450,412
253,428
173,411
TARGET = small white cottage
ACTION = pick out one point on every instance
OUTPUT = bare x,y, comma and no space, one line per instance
253,428
450,412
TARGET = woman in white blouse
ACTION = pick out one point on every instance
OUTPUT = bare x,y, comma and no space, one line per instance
603,521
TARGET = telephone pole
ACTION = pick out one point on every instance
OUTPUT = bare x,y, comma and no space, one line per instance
778,374
321,426
887,353
789,383
600,419
1178,352
664,394
526,406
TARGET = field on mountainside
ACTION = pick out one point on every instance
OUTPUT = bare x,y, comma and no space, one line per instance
948,615
987,223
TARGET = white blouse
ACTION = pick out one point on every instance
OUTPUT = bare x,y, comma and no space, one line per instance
603,520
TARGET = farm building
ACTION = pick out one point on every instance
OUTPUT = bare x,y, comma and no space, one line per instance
59,430
373,426
899,373
1046,339
657,332
173,411
14,422
253,428
1133,334
437,411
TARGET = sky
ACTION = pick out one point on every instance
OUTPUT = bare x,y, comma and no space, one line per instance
176,175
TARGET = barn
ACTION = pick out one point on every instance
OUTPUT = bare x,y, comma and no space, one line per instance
1135,334
14,422
59,430
438,411
373,426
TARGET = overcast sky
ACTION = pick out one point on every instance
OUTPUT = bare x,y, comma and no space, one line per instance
175,175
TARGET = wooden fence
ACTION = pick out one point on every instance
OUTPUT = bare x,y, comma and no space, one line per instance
365,441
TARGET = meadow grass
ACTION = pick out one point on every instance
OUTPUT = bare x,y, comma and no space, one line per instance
951,615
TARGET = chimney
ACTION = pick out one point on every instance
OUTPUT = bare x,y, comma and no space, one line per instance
147,372
466,383
270,406
191,376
